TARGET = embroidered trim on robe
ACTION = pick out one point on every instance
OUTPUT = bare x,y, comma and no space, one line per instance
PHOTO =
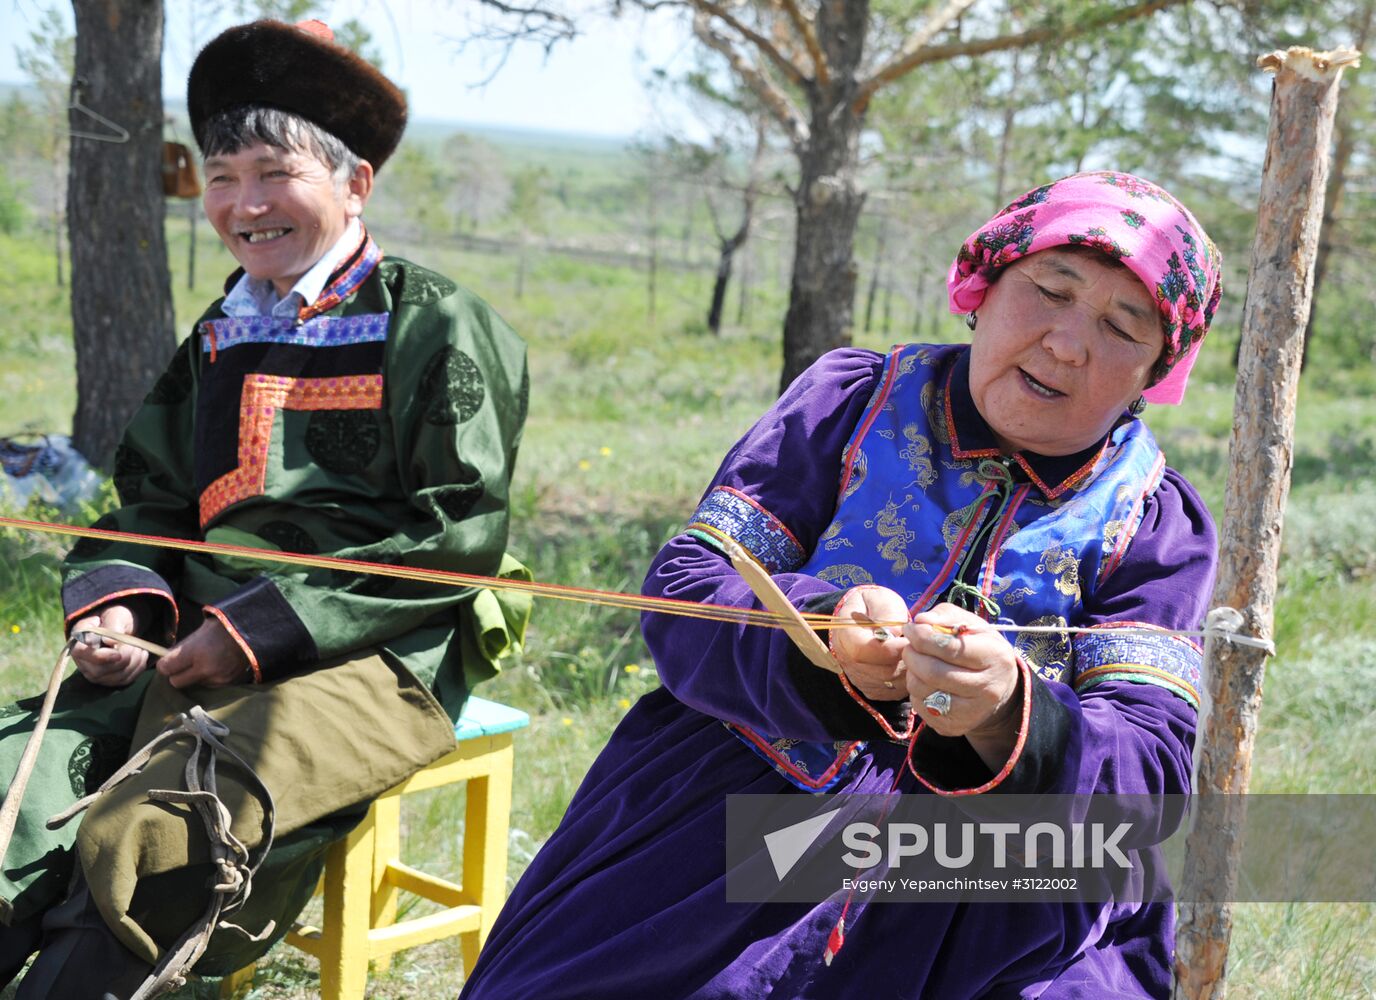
731,513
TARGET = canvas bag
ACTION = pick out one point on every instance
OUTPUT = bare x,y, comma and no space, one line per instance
324,741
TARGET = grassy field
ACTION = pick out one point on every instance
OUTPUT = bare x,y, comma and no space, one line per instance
628,420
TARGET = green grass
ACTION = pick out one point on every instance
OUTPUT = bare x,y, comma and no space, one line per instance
628,420
37,385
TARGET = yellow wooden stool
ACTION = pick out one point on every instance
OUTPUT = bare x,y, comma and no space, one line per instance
364,871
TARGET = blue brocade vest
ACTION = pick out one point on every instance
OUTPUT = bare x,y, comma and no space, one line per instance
912,504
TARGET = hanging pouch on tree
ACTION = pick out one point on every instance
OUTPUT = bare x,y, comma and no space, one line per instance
179,177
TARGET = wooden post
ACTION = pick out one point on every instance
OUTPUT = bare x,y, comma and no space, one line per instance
1280,283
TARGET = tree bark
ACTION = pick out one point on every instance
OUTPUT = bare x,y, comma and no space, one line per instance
728,251
1280,287
829,198
743,290
122,322
727,247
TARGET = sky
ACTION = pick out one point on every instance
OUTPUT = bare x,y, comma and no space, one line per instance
593,85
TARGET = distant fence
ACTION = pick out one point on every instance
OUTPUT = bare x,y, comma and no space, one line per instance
619,258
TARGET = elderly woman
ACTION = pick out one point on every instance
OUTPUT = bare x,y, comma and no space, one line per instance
946,485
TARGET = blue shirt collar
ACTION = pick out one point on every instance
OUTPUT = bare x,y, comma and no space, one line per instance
258,297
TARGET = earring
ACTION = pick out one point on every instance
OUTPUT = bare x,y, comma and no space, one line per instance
1138,405
971,319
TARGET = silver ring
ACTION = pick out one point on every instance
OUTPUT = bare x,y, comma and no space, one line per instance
938,703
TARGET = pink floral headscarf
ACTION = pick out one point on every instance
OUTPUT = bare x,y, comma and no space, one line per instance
1134,222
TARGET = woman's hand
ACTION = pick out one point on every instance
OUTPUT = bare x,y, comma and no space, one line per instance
115,665
977,668
208,657
871,663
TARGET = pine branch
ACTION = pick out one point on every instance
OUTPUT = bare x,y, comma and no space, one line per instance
910,58
786,66
914,45
775,100
821,72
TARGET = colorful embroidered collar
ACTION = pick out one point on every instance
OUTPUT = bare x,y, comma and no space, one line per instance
346,278
343,281
971,437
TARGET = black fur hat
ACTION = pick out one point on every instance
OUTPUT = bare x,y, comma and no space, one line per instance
298,68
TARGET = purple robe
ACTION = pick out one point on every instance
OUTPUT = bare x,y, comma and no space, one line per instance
627,899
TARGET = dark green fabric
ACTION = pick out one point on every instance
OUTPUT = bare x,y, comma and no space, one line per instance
433,491
87,739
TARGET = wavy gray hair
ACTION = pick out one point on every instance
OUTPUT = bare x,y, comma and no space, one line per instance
235,129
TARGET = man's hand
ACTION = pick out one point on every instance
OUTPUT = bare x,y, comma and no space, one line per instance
115,665
871,663
208,657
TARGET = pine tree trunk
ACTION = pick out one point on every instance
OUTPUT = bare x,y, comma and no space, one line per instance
719,288
743,287
828,200
727,256
122,323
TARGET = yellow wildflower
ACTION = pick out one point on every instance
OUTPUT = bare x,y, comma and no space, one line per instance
566,721
15,629
584,465
604,451
625,703
632,668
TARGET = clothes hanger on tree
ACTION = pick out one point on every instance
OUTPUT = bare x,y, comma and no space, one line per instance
116,133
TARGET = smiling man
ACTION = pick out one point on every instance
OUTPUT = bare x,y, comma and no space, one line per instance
337,402
279,210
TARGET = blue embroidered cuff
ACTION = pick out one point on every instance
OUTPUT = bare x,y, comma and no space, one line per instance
729,512
1168,661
